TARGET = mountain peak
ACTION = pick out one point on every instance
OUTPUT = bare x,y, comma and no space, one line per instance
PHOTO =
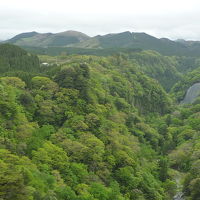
23,35
48,39
73,33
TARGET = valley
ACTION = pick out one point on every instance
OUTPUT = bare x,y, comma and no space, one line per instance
101,120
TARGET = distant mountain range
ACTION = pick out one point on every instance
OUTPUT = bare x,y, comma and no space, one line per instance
127,39
35,39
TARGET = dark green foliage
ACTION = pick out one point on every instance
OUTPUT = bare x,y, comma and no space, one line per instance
159,67
75,77
163,164
187,64
180,88
56,51
13,58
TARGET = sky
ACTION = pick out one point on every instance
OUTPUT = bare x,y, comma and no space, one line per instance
174,19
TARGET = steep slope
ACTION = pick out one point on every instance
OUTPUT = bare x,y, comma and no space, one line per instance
13,58
80,131
97,128
180,88
182,144
157,66
22,36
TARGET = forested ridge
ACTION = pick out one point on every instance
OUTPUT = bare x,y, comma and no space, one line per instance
91,127
74,41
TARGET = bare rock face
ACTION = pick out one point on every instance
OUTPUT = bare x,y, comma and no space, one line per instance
192,93
179,196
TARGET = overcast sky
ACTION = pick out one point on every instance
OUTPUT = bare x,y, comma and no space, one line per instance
161,18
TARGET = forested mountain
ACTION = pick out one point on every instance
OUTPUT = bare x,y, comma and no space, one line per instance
142,41
48,39
79,132
130,40
183,131
13,58
162,68
180,88
167,70
88,127
22,36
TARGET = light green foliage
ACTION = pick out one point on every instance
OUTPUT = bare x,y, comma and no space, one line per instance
13,81
51,157
44,86
95,128
162,68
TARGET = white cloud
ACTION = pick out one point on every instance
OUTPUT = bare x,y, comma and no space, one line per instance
172,18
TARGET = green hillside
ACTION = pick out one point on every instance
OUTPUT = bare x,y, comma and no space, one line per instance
13,58
35,39
180,88
181,144
165,69
22,36
141,41
73,41
79,132
162,68
88,127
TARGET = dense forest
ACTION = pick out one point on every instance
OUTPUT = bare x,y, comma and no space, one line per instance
95,127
